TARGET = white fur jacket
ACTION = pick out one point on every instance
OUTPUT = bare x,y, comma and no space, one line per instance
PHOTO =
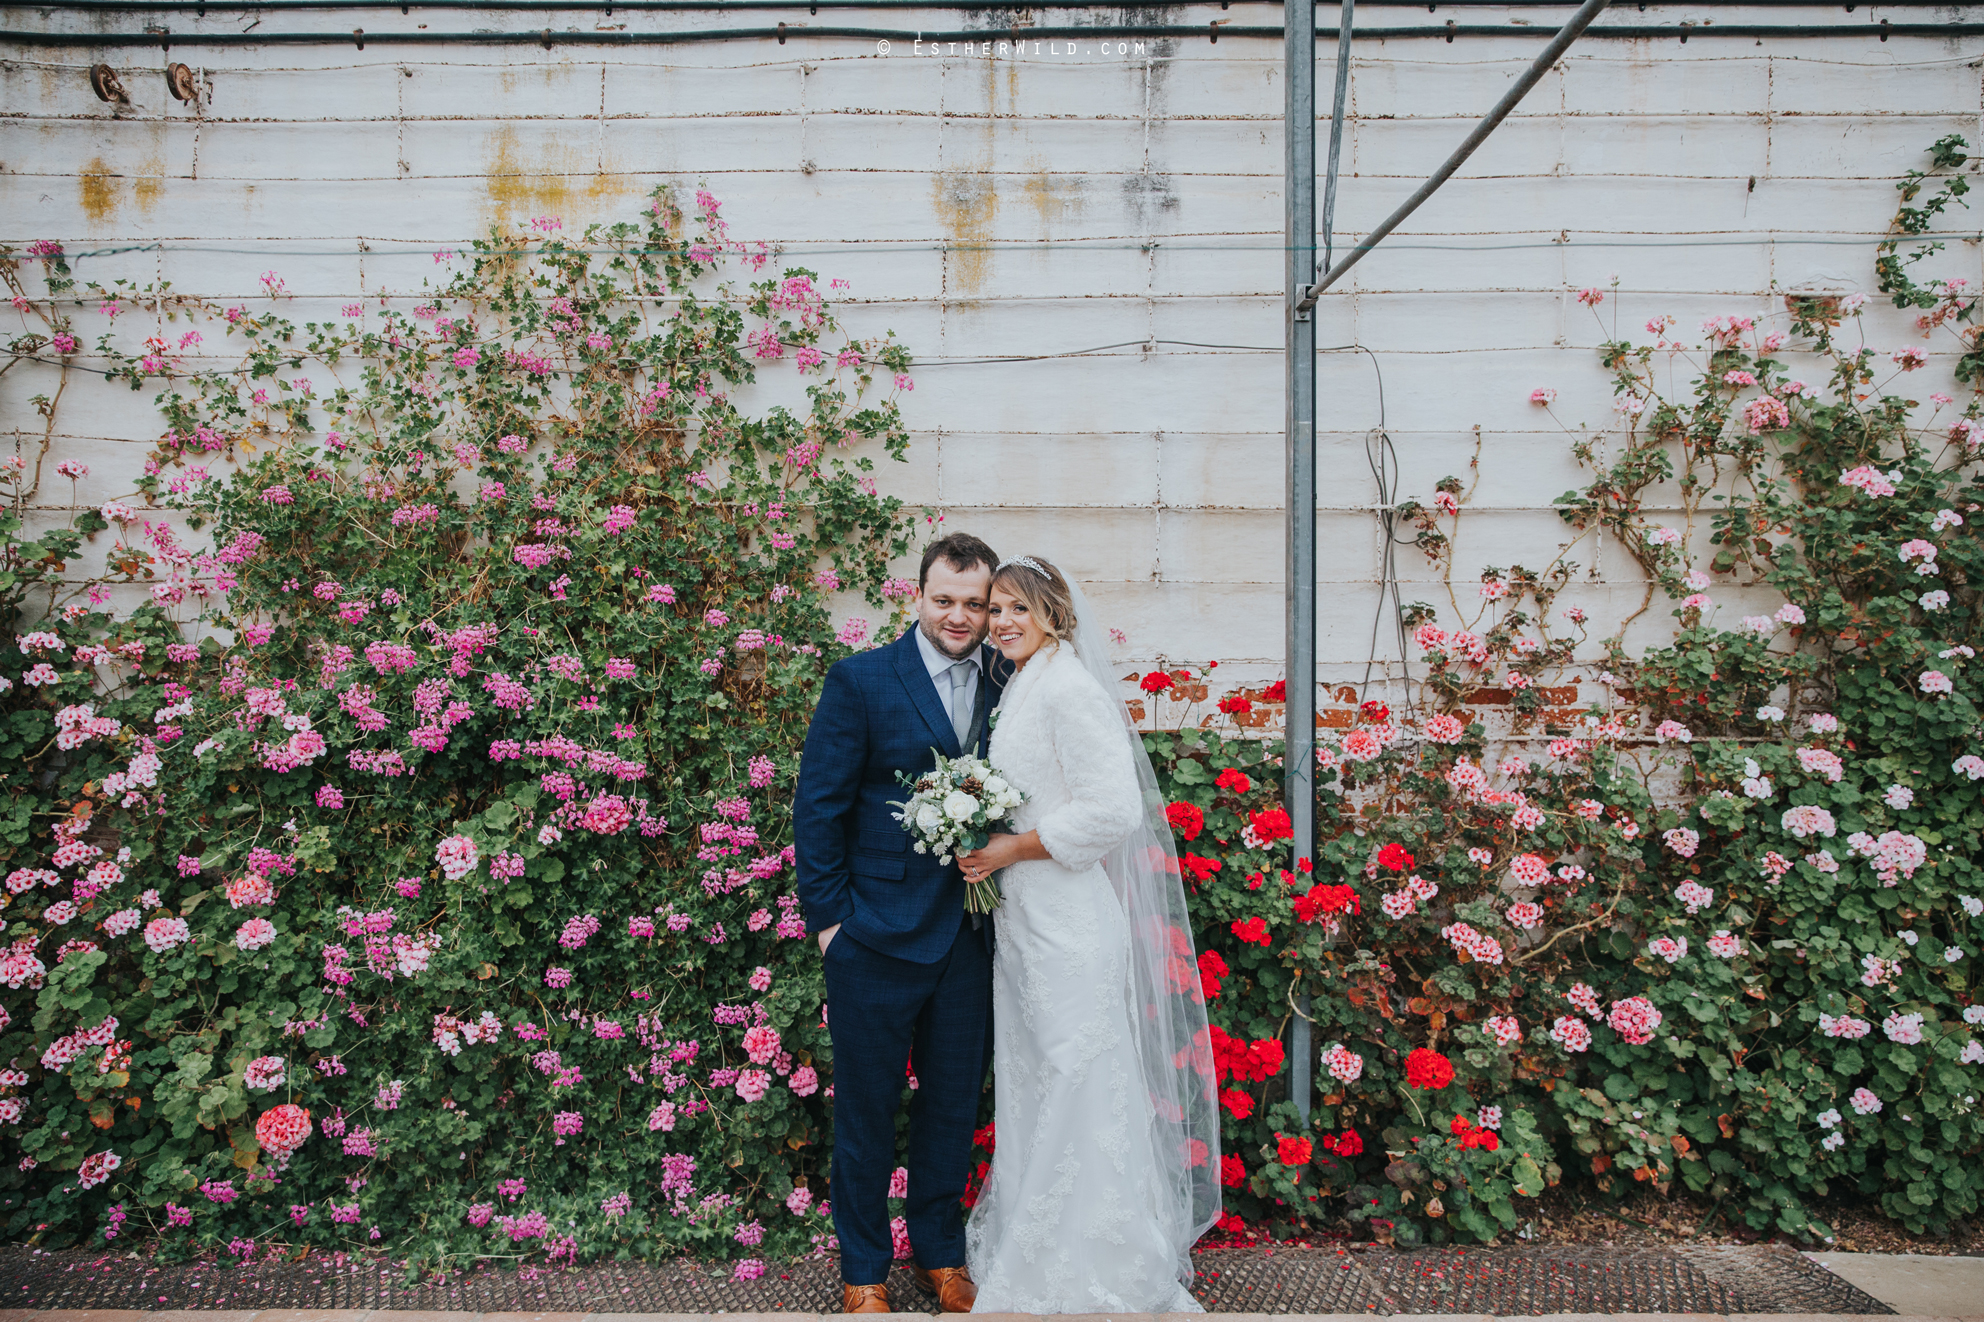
1063,742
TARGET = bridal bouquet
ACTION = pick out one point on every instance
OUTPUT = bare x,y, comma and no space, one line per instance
951,810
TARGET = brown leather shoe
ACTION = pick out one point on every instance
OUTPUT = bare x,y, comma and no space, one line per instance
952,1285
864,1299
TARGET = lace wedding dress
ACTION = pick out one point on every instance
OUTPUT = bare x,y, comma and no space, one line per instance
1072,1218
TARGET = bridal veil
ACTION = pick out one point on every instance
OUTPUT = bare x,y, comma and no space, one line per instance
1167,1007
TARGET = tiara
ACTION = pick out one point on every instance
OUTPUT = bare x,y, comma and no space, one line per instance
1028,561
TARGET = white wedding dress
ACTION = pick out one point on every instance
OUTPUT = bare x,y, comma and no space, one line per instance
1068,1220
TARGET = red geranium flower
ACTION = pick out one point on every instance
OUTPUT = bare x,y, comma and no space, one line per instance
1427,1069
1375,712
1233,781
1272,824
1232,1171
1237,1103
1155,682
1186,819
1225,1047
1254,931
1346,1144
1248,1062
1235,705
1198,1151
1394,857
984,1138
975,1185
1323,900
1275,692
1200,868
1212,967
1293,1151
1264,1059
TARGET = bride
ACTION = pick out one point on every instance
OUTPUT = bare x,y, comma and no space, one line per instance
1105,1169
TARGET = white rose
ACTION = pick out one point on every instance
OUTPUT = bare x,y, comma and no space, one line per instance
928,818
995,788
959,806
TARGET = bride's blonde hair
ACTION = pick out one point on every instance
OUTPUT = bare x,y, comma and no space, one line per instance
1040,588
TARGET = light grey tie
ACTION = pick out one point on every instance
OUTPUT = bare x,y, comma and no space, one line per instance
962,699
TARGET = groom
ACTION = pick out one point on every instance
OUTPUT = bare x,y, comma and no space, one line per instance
908,972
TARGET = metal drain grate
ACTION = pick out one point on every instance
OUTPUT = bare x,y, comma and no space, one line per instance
1771,1278
1285,1281
1519,1281
1532,1281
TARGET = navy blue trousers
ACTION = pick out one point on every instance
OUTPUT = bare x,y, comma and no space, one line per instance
882,1014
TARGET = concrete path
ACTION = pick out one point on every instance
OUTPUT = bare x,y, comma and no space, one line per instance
1913,1283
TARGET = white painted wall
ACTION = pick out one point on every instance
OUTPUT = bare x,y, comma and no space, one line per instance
1128,198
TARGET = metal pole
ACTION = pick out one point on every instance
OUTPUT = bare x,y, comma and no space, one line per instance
1336,129
1570,32
1298,751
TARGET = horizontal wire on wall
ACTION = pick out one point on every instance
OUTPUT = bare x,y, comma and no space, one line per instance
279,248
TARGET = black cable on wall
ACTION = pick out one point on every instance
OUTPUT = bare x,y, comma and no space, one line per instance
548,38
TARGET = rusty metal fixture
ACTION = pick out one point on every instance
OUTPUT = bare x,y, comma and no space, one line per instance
103,81
180,82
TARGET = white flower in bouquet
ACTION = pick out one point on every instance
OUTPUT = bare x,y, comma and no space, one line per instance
952,809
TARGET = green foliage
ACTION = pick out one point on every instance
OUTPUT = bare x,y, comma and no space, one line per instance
1716,926
523,580
1798,798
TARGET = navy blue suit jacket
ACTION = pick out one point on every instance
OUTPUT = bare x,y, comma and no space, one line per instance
879,713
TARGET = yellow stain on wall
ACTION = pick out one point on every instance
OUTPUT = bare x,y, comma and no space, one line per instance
966,200
559,182
1055,197
145,189
965,203
98,188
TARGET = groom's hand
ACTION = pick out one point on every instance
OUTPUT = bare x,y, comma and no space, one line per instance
826,935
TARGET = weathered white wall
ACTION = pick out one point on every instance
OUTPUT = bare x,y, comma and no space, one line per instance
1127,198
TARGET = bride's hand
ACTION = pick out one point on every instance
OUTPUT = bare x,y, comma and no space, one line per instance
982,863
1001,851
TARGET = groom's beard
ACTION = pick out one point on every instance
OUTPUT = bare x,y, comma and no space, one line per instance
936,638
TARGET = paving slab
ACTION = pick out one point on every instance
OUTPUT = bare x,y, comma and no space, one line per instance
1915,1283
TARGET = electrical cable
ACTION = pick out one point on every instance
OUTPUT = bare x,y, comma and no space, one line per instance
1382,459
165,39
1034,246
919,365
607,7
